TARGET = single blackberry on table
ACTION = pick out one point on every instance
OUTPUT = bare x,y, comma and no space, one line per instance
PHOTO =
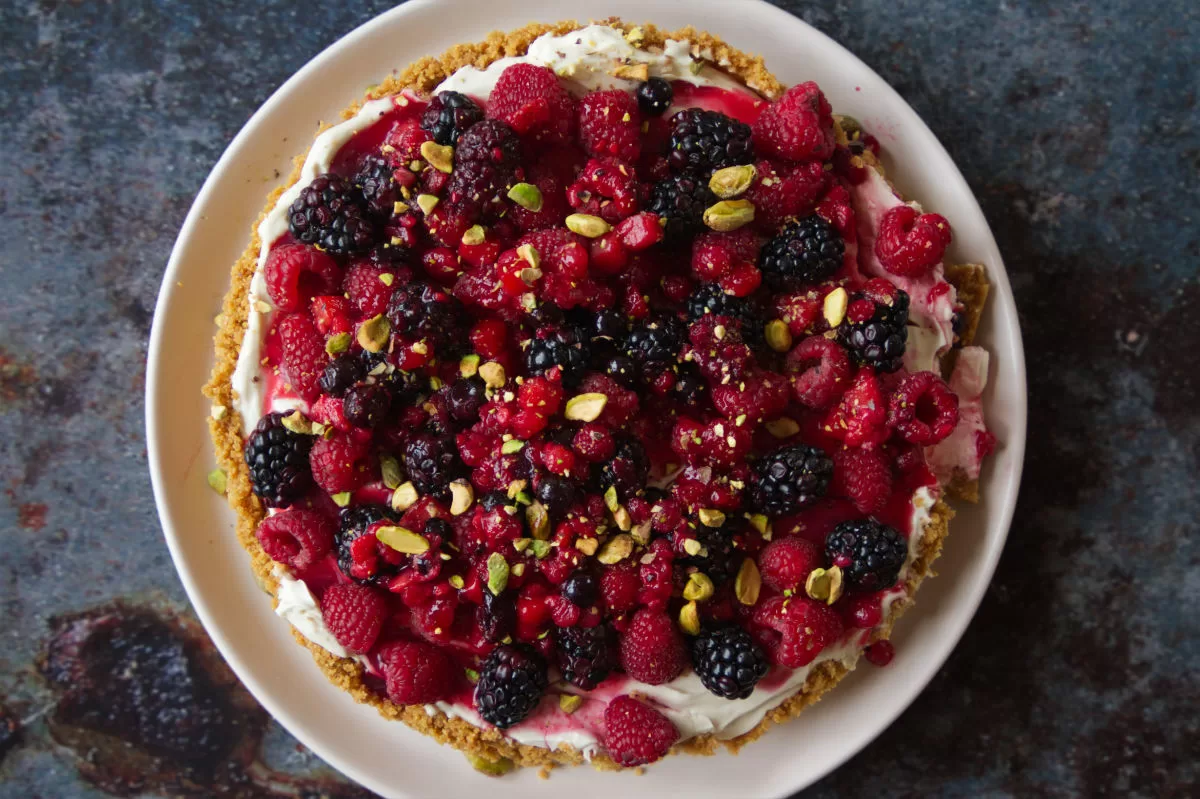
879,341
563,346
728,661
790,478
654,96
352,525
421,310
657,341
375,180
720,558
627,470
464,398
802,254
449,115
330,213
704,140
485,162
869,554
681,201
586,655
366,404
511,683
432,463
341,374
278,462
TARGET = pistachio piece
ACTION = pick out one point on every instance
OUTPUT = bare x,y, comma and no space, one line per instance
298,423
539,548
492,768
587,225
341,499
440,156
390,468
402,539
217,481
732,181
779,337
530,255
729,215
526,195
748,582
516,487
710,517
509,447
569,703
427,202
497,568
387,278
641,532
405,496
639,72
456,581
783,427
373,333
218,412
339,342
469,365
462,496
834,308
538,519
692,546
760,522
824,585
587,546
616,549
699,587
689,619
585,407
610,499
529,275
493,374
475,234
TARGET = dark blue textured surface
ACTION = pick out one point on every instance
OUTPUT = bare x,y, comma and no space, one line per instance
1075,125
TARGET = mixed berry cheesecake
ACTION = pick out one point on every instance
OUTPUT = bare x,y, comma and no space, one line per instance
589,395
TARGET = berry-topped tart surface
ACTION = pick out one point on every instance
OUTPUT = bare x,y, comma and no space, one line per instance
588,395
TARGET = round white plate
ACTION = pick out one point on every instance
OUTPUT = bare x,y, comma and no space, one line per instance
388,757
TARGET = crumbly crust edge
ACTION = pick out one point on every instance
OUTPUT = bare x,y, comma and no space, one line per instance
422,76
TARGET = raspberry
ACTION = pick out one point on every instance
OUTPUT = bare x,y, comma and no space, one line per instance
340,463
563,347
780,191
332,314
554,205
704,140
416,673
803,253
330,212
715,254
635,733
860,419
296,538
785,563
295,273
622,405
923,409
680,200
447,223
607,188
610,124
511,683
585,655
876,333
801,628
531,100
627,471
716,443
485,163
448,116
594,443
354,614
376,182
366,291
797,127
869,554
361,556
728,662
719,349
762,395
432,463
652,650
619,587
420,310
277,460
402,144
820,371
654,96
864,476
303,355
489,338
790,478
639,232
909,244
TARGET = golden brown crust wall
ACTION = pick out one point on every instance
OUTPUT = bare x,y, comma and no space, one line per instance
423,75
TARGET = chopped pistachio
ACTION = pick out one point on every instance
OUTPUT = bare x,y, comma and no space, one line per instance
373,333
456,581
472,675
689,619
217,481
516,487
518,569
526,195
522,544
710,517
341,499
616,549
498,571
387,278
405,496
585,407
783,427
824,585
390,467
760,522
729,215
641,532
539,548
441,156
509,447
732,181
474,235
699,587
587,546
639,72
298,423
610,499
218,412
835,305
748,582
469,365
339,342
492,768
427,202
529,254
462,497
569,703
402,539
493,374
586,225
692,547
623,519
779,337
538,519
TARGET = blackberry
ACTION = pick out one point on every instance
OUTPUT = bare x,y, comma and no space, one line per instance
620,368
464,398
720,558
654,97
421,310
432,463
556,493
496,617
703,141
790,478
448,116
376,182
366,404
278,462
485,162
690,386
803,253
879,341
581,589
710,298
585,655
564,346
511,683
869,554
352,525
341,374
658,341
728,662
681,201
330,213
609,324
627,470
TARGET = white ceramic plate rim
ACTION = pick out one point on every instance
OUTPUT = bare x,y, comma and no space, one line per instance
380,755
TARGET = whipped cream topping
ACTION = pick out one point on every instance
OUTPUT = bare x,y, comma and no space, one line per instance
296,603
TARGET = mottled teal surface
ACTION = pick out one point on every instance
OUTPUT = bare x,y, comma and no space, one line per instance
1074,123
